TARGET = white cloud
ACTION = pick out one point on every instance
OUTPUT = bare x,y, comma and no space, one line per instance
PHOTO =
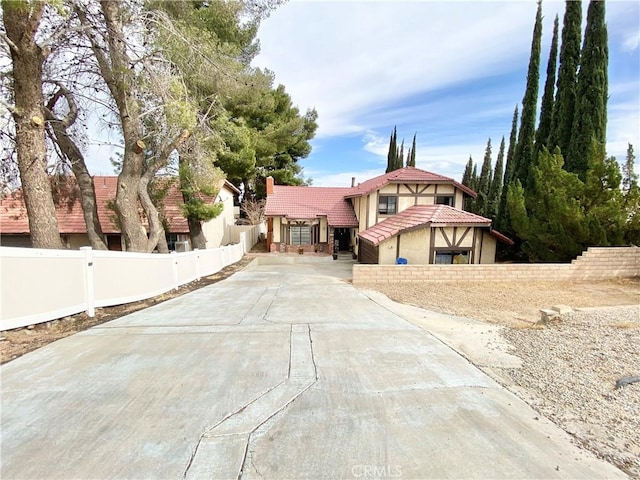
631,42
347,59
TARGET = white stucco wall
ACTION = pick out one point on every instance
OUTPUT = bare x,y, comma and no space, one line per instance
216,231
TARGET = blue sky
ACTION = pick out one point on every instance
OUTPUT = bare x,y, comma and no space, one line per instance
451,71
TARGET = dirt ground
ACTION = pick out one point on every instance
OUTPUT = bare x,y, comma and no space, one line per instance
511,304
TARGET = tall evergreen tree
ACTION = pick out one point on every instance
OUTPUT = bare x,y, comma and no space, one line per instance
546,109
502,221
484,182
564,105
590,120
631,195
392,155
400,157
495,191
468,172
524,153
411,155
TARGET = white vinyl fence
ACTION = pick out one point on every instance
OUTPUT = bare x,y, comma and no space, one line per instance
38,285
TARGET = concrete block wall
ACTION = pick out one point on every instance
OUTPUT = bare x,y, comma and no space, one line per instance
597,263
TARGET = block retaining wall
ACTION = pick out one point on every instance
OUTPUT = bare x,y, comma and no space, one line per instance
597,263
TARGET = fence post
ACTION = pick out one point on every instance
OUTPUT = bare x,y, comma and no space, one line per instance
88,281
174,265
197,260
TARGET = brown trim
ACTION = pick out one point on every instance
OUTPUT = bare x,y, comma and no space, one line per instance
475,241
455,234
432,244
463,236
481,245
444,235
367,211
397,245
423,190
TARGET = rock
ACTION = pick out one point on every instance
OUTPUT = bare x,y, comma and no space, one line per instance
562,309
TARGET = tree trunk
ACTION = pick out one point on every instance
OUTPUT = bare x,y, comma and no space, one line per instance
21,22
198,240
156,230
78,166
115,68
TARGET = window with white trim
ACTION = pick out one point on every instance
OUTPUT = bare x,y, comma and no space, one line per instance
299,235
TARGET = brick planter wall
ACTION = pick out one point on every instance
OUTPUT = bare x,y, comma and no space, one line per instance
597,263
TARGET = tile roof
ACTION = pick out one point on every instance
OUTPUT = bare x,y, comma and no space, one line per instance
312,202
406,175
13,213
418,216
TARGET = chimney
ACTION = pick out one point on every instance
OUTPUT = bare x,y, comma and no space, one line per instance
353,182
269,185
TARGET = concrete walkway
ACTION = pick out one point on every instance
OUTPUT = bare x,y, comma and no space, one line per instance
279,372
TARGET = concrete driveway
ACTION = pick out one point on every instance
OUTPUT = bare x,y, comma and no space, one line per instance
279,372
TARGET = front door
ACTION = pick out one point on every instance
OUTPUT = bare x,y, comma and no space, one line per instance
343,237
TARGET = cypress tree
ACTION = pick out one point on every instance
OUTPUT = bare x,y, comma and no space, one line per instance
564,105
546,109
495,191
400,158
391,156
484,182
590,120
525,148
411,156
502,221
470,179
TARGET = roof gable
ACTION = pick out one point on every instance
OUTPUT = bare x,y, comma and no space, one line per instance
306,203
406,175
419,216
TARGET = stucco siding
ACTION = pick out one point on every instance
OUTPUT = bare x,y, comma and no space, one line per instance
276,229
387,252
414,246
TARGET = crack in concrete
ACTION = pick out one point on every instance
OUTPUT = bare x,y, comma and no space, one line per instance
249,418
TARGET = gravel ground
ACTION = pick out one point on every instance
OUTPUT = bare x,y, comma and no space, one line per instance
570,366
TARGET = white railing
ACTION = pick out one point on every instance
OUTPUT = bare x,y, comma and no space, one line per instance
38,285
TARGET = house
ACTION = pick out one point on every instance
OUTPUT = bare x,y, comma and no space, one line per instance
14,224
408,213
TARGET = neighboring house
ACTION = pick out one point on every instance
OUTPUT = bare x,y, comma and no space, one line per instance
14,224
408,213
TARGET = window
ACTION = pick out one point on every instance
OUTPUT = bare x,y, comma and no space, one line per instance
172,238
444,200
387,205
451,257
299,235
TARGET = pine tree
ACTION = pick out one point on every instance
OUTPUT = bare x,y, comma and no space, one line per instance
590,120
565,101
392,155
411,155
495,191
502,221
484,182
546,109
525,148
552,228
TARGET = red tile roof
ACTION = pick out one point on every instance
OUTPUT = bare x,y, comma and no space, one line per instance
417,217
307,203
406,175
13,213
